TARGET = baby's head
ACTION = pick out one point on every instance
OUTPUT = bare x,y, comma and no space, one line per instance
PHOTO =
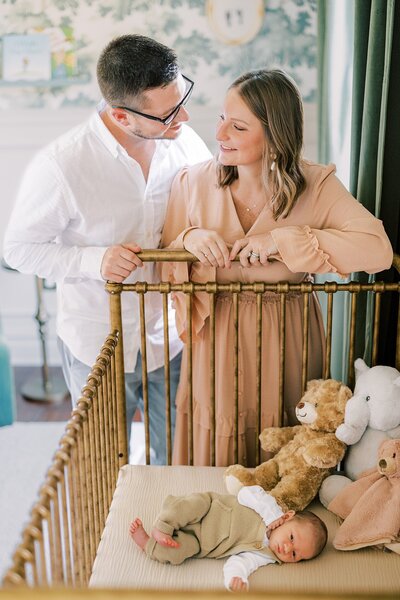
300,537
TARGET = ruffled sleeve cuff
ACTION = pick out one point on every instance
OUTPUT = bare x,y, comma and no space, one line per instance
300,251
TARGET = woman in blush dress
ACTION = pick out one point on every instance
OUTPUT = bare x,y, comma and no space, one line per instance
285,218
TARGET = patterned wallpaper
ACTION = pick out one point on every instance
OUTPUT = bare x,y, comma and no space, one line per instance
79,29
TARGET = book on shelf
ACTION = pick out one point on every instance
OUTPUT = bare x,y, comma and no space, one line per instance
26,57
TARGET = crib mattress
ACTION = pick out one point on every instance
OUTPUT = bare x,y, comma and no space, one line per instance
139,493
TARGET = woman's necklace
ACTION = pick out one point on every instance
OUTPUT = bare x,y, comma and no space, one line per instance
248,212
253,207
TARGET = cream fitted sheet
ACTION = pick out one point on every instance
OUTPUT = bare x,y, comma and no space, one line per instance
140,491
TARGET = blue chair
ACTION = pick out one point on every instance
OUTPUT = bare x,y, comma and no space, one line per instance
7,388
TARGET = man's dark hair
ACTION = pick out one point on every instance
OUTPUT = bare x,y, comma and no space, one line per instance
132,64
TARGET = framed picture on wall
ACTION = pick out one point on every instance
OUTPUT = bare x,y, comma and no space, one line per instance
26,57
235,21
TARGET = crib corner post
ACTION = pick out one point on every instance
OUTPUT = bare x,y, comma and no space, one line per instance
115,289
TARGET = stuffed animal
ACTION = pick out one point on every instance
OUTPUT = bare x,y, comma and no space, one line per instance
370,505
304,454
372,414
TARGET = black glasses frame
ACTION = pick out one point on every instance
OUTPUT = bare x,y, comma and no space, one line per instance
169,118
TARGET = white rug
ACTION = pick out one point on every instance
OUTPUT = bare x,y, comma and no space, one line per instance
26,450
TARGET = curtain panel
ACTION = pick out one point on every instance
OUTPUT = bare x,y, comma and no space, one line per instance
374,161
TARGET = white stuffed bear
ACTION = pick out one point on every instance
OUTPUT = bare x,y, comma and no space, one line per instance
372,415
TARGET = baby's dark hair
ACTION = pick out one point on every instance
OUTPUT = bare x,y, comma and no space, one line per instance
320,529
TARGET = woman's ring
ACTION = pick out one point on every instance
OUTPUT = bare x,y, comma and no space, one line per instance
205,254
254,254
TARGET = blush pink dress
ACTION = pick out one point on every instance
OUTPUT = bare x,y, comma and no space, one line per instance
328,231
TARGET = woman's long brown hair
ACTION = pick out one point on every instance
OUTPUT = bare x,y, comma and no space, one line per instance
275,100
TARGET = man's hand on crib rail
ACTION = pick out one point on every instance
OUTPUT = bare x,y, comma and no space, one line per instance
119,261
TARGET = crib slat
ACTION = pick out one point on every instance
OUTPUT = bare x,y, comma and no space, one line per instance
110,440
66,521
328,338
188,290
259,300
282,346
352,336
54,517
79,561
375,339
145,387
235,434
104,448
306,323
114,464
101,483
167,378
93,483
116,327
85,518
212,290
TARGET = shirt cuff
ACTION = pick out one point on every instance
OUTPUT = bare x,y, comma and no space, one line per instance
91,260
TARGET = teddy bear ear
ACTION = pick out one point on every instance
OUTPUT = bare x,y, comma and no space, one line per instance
313,384
360,366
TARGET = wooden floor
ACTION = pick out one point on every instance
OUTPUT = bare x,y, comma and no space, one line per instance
29,410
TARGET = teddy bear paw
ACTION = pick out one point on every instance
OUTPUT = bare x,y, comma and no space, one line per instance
232,484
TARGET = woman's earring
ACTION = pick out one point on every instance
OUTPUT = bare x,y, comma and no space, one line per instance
273,164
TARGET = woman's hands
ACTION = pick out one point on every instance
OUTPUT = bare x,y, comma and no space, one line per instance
254,250
211,249
208,246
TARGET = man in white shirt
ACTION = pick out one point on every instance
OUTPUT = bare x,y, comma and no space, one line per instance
96,196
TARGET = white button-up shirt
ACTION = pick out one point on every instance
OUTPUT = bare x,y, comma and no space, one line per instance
80,195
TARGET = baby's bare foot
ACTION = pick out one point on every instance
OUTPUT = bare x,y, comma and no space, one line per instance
163,538
138,533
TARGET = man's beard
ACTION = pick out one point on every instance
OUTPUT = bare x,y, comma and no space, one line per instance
138,133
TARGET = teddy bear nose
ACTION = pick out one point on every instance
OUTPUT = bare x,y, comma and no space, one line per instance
300,405
382,463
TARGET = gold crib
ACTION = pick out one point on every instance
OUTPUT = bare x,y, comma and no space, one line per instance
59,544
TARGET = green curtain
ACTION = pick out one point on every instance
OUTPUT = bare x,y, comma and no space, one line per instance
375,147
375,138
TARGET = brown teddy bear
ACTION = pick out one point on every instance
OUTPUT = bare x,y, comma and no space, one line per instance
304,454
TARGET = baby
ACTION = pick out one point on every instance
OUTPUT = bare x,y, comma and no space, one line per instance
251,529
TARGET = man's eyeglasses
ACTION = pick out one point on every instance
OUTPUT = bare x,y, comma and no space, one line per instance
169,118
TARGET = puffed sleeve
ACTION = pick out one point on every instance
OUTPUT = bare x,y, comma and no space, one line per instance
342,236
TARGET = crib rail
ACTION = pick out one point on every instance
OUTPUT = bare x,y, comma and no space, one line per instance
59,543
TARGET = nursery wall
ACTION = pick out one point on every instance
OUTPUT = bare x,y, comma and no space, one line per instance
273,33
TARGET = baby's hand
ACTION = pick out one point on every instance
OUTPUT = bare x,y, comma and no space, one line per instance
276,523
238,585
